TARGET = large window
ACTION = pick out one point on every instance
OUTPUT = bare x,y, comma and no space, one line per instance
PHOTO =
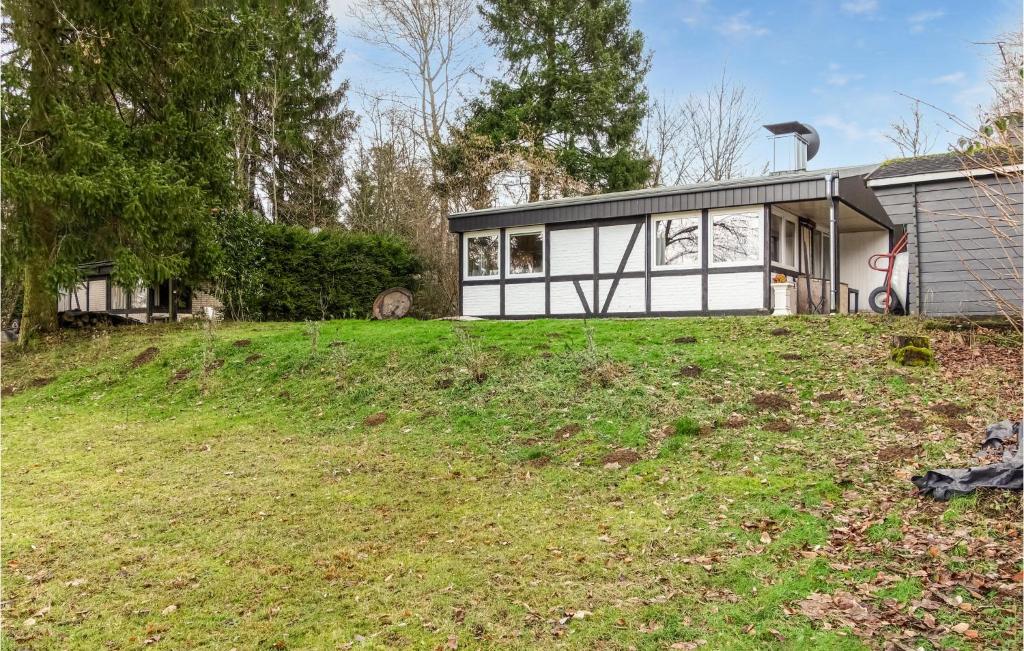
677,241
784,240
736,237
526,251
481,255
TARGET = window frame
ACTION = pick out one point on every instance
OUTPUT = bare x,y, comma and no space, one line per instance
783,217
466,237
756,212
654,239
526,230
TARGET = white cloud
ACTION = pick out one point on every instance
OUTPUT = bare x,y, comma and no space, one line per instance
341,10
692,12
950,79
836,77
919,21
849,129
861,7
739,25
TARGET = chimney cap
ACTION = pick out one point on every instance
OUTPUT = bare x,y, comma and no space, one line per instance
782,128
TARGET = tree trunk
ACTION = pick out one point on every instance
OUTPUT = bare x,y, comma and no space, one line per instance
39,313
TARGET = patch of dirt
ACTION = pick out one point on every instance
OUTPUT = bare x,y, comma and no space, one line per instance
478,376
716,400
145,357
540,462
255,357
215,364
40,382
769,402
604,374
547,354
690,371
286,395
735,421
948,410
375,419
444,383
567,431
778,425
791,357
898,452
781,332
684,340
242,343
336,343
623,457
913,425
960,425
830,396
8,390
181,375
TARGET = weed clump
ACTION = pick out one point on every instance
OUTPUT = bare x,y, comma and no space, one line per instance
686,426
690,371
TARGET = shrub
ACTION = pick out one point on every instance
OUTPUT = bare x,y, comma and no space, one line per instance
330,274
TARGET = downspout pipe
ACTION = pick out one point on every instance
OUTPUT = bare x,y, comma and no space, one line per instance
833,231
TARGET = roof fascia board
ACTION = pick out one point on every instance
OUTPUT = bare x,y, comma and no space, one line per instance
942,176
725,196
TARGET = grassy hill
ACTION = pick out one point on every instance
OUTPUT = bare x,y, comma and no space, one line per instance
651,483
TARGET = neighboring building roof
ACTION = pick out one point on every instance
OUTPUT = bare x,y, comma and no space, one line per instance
787,186
940,164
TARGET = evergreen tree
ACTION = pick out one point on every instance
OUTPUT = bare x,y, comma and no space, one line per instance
293,125
574,84
116,147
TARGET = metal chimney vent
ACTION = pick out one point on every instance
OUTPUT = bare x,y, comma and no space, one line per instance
793,144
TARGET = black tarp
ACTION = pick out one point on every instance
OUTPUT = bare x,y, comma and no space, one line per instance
1002,440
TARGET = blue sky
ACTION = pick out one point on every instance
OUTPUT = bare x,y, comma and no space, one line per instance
838,64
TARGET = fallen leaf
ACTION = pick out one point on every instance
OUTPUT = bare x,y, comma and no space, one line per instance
169,610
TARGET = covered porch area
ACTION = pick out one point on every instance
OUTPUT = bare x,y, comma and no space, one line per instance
821,247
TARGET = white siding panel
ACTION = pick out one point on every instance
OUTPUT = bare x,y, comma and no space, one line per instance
629,295
78,301
481,300
565,300
854,251
572,251
612,242
736,291
524,298
97,295
675,293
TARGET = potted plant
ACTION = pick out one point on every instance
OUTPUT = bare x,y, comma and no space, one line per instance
783,295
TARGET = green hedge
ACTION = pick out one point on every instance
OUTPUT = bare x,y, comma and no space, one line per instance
286,273
332,274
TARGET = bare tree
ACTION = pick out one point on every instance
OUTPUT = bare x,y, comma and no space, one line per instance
433,40
911,138
992,160
665,141
721,124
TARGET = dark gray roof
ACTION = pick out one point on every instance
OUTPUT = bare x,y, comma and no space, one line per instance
948,162
789,186
936,163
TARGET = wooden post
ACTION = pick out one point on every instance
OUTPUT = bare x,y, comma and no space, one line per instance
173,308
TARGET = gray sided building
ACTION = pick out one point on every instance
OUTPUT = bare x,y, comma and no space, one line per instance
963,221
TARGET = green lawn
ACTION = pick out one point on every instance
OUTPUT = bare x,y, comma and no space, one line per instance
531,485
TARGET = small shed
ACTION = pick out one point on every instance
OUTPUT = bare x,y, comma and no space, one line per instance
963,223
700,249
